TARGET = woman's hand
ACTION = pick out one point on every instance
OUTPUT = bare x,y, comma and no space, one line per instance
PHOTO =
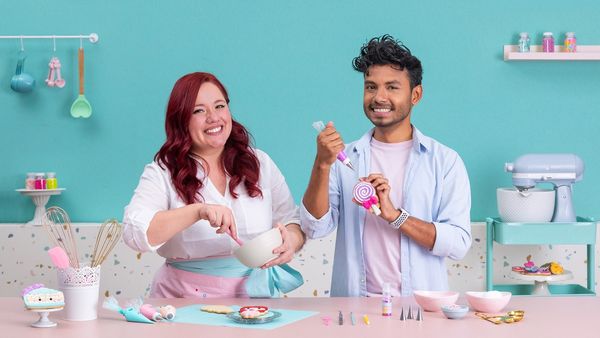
292,241
220,217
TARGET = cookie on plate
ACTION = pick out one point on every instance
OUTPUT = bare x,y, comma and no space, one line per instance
253,311
220,309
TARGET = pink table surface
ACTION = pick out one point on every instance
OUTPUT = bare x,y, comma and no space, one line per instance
544,317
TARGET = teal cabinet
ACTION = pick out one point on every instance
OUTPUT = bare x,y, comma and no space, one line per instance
582,232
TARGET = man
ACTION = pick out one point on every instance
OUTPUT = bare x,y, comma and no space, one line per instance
422,187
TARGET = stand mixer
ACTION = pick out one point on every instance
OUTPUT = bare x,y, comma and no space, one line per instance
561,170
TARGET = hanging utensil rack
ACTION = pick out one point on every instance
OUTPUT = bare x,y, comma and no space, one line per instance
93,37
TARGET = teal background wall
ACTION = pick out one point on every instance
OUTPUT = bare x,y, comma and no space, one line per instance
287,64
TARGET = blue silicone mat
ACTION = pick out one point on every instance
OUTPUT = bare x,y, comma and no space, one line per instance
193,315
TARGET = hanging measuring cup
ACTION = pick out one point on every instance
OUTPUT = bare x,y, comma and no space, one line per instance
22,82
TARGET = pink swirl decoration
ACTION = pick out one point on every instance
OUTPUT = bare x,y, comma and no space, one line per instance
363,192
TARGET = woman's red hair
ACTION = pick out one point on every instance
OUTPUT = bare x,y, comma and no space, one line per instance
239,160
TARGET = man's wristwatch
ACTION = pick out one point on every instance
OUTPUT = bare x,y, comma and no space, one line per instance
397,223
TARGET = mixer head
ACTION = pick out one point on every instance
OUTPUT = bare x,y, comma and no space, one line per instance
531,169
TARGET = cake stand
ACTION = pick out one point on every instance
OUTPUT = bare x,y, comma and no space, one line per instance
540,287
40,199
44,321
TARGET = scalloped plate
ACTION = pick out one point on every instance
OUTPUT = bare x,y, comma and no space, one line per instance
269,317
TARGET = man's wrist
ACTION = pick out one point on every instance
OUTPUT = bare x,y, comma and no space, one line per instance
323,166
400,220
394,216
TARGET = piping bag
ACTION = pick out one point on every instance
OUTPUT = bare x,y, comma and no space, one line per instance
341,156
131,314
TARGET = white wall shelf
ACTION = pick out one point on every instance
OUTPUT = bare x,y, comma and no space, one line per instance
584,53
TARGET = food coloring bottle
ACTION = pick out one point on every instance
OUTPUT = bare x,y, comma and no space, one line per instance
386,300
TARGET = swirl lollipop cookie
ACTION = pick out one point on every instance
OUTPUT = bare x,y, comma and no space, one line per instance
364,193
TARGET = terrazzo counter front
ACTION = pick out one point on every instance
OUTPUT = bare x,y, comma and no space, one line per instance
24,261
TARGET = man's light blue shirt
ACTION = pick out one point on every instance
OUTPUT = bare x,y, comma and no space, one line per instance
436,189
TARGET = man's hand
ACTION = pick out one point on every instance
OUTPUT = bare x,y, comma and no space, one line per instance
329,145
389,212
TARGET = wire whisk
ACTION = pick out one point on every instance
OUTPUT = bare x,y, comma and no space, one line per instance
58,225
108,236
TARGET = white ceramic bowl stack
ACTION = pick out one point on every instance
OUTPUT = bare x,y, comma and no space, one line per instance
532,206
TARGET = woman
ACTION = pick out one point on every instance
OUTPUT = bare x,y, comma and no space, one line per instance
206,177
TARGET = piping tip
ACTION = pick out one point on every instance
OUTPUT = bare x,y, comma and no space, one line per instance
410,315
419,315
402,316
349,165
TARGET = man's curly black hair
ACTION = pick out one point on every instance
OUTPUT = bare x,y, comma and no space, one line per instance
385,50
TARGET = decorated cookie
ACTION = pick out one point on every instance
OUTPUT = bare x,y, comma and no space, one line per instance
37,296
518,269
221,309
554,268
253,311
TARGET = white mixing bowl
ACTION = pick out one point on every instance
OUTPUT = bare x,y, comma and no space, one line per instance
534,205
259,250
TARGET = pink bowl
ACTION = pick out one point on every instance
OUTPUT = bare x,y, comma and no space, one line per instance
490,301
434,300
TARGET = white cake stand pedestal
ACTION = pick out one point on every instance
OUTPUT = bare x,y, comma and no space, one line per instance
540,287
44,321
40,199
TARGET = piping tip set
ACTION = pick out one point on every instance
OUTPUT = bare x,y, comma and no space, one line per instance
409,316
327,320
403,317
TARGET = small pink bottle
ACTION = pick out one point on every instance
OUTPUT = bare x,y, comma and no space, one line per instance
570,42
548,43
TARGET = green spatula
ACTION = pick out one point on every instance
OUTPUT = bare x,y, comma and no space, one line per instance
81,107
